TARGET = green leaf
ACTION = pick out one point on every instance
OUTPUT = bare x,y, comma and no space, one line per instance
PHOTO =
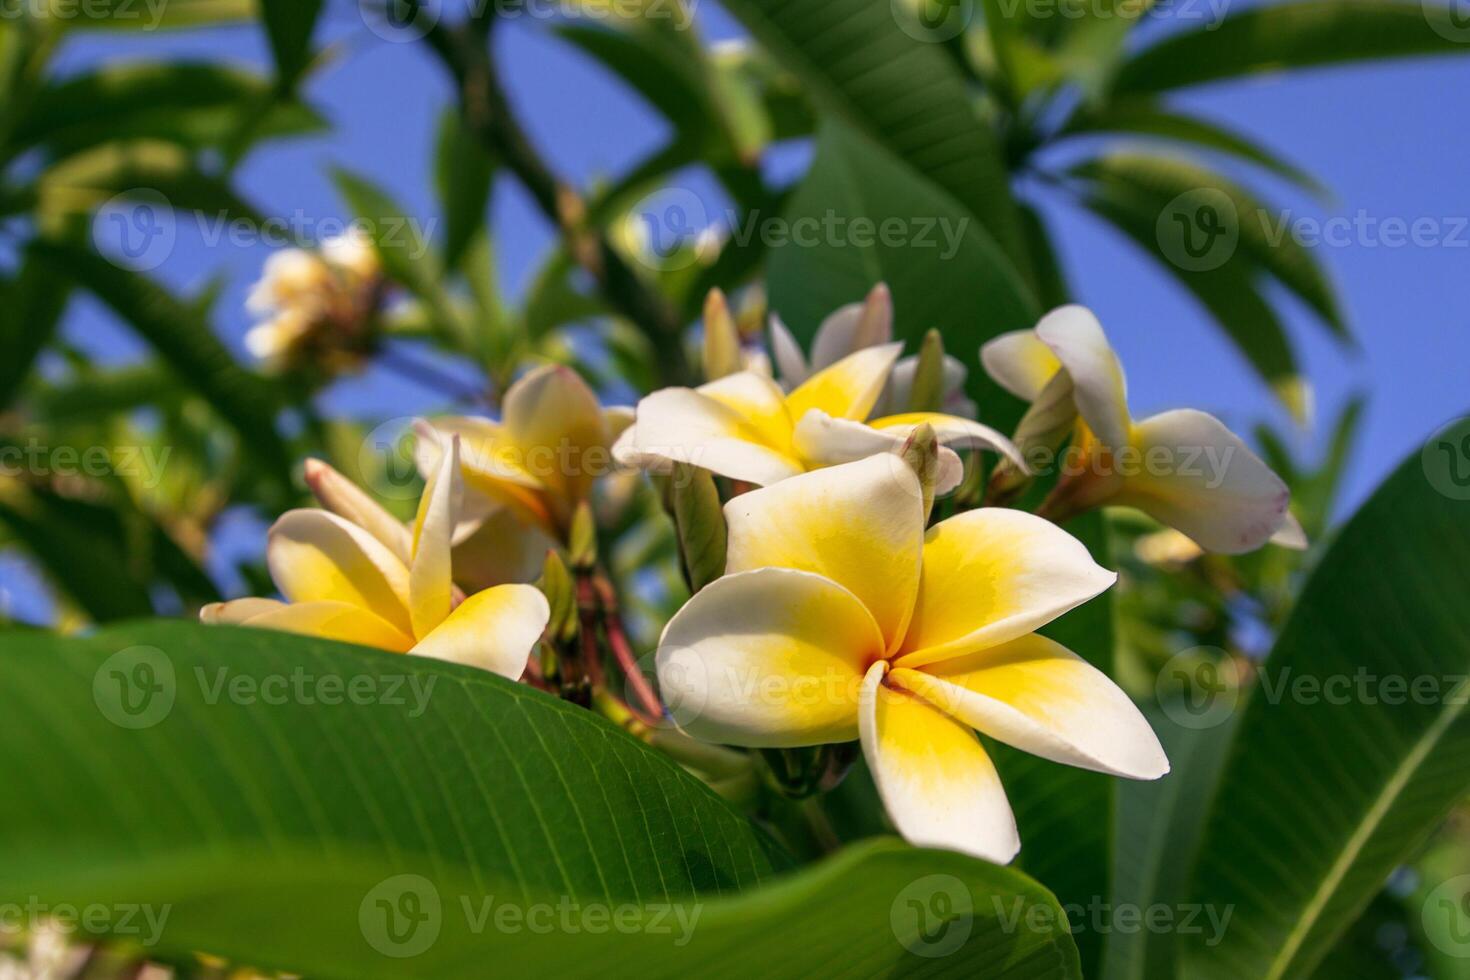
463,173
1293,35
270,826
828,261
31,305
194,104
184,339
84,181
1334,780
1146,118
133,15
859,67
289,24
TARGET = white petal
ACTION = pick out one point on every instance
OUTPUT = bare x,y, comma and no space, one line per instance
237,611
848,389
1020,363
1098,388
431,576
789,358
821,440
1198,477
1039,696
677,425
936,780
495,630
953,431
1291,534
772,657
346,499
854,327
315,556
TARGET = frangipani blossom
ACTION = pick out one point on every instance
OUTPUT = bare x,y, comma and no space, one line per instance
344,583
314,298
526,474
745,427
1184,468
852,328
840,618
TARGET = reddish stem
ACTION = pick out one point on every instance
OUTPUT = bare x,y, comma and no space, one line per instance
622,650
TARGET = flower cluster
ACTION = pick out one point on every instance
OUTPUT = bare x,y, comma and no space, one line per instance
832,600
316,307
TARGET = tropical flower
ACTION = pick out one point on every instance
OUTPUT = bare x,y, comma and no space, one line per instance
344,583
852,328
317,302
840,618
527,474
744,426
1184,468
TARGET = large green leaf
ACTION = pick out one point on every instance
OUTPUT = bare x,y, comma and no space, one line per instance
1353,743
905,94
1272,37
945,271
464,175
280,828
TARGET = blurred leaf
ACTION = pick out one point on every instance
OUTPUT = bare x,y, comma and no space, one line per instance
195,104
1146,118
31,305
862,69
463,174
938,244
1280,36
102,393
1327,790
135,15
182,338
289,25
1051,278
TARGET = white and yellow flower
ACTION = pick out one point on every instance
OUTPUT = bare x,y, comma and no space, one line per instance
308,296
744,426
526,474
840,618
389,590
1184,468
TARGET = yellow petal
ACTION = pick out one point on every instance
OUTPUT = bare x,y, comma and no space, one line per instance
315,556
237,611
848,389
759,401
772,657
953,431
821,440
860,525
1198,477
678,425
1098,389
993,575
937,782
556,421
431,579
340,621
494,630
1039,696
346,499
1020,363
493,467
500,550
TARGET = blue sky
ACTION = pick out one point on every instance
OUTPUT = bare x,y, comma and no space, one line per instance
1390,140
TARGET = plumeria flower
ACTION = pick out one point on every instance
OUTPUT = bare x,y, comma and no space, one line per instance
526,474
342,582
840,618
852,328
1183,468
745,427
315,300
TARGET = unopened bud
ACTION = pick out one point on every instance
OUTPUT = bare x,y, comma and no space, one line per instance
721,338
921,453
583,538
876,325
700,522
561,595
928,391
